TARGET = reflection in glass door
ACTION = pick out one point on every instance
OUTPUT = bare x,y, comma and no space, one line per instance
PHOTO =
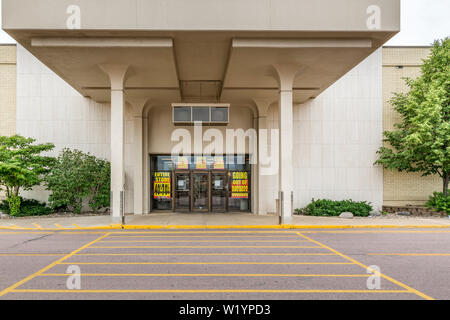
200,201
182,194
219,191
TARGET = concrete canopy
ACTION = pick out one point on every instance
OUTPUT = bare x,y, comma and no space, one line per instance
198,50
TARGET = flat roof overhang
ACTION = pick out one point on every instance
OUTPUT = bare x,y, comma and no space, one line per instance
201,50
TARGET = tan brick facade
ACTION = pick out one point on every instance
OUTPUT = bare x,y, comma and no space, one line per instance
8,89
403,188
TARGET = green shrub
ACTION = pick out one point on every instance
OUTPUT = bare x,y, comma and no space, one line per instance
14,205
77,177
28,207
324,207
439,202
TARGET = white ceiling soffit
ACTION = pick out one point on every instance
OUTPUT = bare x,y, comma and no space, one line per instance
302,43
103,42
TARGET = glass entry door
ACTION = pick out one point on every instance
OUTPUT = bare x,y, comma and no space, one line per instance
200,194
182,191
219,193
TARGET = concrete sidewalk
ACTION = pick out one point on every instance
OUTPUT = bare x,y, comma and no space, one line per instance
209,220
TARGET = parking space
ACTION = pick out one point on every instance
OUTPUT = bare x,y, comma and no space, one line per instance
226,264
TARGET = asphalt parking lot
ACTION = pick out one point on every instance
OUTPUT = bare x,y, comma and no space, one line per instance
226,264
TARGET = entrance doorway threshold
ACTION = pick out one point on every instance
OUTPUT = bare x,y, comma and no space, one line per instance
201,219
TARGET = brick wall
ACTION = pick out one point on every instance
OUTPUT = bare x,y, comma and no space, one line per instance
403,188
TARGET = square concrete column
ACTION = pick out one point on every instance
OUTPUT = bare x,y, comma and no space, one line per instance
116,75
264,158
138,176
138,105
286,74
146,162
286,167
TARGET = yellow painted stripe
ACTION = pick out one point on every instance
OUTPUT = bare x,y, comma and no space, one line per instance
37,226
76,226
152,227
58,226
410,254
204,263
202,241
118,236
206,291
205,254
205,275
21,282
30,254
199,247
26,232
417,292
376,231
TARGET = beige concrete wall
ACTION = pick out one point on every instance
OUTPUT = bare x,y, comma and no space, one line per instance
273,15
336,137
403,188
7,90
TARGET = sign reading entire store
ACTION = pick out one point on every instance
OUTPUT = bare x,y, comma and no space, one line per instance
239,187
162,185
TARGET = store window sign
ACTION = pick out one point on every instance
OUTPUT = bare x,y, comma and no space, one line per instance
182,163
219,163
200,163
239,187
162,185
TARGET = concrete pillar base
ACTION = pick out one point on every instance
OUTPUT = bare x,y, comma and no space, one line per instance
118,220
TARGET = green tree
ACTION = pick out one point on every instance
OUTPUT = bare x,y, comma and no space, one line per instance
420,143
77,177
21,166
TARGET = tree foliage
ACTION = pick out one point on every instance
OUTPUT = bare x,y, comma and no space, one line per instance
420,143
77,177
21,166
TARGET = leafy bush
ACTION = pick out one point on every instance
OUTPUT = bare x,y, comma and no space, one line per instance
14,205
77,177
21,167
439,202
28,207
324,207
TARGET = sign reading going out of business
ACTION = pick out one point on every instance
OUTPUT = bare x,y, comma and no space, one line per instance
162,185
239,186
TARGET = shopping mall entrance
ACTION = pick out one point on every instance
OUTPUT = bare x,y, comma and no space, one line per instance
200,183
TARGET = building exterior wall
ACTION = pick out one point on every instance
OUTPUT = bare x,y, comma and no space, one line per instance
7,90
336,136
403,188
49,110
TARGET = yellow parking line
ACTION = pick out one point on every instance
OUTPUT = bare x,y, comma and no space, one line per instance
58,225
417,292
206,291
30,254
204,247
208,241
205,254
206,275
204,263
117,235
410,254
207,232
26,232
21,282
37,226
377,231
76,226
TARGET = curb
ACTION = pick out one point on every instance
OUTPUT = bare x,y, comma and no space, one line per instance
275,227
